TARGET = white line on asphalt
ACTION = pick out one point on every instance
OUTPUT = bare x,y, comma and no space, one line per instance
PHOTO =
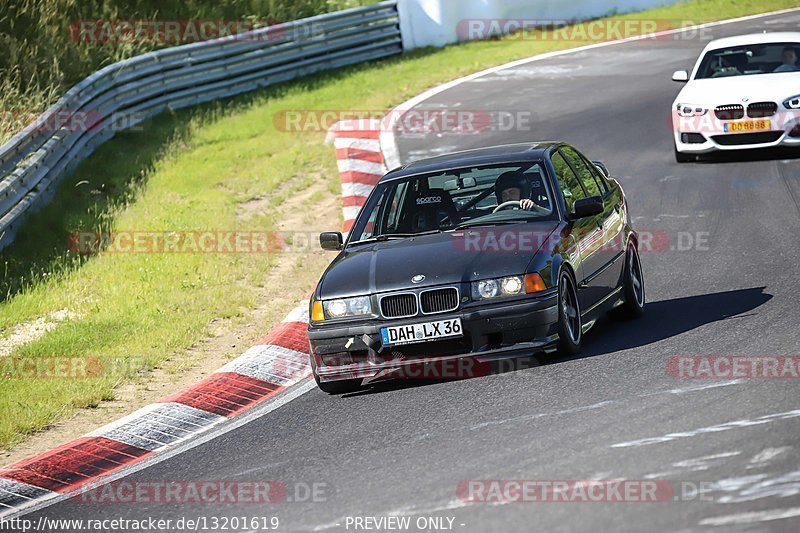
734,424
766,456
751,518
695,388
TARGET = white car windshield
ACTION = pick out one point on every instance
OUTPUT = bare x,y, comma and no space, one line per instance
747,60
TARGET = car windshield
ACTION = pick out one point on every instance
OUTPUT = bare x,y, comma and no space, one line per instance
750,59
446,201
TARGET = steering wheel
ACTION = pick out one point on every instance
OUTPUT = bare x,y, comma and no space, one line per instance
506,205
516,203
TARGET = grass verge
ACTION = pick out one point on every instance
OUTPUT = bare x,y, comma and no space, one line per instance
197,170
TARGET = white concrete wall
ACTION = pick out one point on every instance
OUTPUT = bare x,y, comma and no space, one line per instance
436,22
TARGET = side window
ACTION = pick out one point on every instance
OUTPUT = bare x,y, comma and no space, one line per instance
570,186
589,178
393,218
369,228
601,178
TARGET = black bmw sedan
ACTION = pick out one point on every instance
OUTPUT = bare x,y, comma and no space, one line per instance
491,253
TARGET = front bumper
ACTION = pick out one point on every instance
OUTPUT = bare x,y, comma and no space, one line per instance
698,137
491,331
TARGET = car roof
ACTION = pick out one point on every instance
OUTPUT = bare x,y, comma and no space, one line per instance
504,153
755,38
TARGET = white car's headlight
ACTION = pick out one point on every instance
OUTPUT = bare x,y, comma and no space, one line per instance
347,307
508,286
691,110
792,103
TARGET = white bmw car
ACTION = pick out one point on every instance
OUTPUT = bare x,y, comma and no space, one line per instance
744,92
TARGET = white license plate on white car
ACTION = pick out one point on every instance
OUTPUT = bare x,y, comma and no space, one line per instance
427,331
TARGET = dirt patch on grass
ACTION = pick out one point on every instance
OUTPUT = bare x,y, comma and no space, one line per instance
290,280
30,331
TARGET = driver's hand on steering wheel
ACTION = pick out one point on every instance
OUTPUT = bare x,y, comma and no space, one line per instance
526,204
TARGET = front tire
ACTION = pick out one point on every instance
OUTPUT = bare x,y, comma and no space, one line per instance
633,284
570,326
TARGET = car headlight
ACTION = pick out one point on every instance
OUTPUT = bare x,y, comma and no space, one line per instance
691,110
508,286
792,103
342,308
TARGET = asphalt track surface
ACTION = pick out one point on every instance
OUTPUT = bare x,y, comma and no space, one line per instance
402,448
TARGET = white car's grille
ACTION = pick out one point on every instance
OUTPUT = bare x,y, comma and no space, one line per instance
729,112
762,109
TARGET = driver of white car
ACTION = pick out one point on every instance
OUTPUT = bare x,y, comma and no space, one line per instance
789,58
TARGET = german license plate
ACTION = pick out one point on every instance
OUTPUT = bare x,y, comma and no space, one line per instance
427,331
747,125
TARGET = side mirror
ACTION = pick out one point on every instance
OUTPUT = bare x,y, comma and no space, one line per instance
681,76
587,207
602,168
331,241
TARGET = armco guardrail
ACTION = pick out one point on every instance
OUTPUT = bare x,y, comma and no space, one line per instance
33,161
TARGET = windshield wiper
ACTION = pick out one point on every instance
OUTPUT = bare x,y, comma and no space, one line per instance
379,238
487,223
395,236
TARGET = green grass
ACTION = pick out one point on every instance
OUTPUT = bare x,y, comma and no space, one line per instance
186,171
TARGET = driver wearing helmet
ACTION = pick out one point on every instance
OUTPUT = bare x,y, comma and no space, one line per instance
514,187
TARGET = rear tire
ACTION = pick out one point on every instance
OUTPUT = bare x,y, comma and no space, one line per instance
633,284
570,326
680,157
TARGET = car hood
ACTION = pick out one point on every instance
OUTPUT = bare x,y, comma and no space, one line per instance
758,88
443,258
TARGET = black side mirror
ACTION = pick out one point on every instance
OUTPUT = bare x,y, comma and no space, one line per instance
331,241
587,207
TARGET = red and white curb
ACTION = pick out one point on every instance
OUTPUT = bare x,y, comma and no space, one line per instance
360,160
279,361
